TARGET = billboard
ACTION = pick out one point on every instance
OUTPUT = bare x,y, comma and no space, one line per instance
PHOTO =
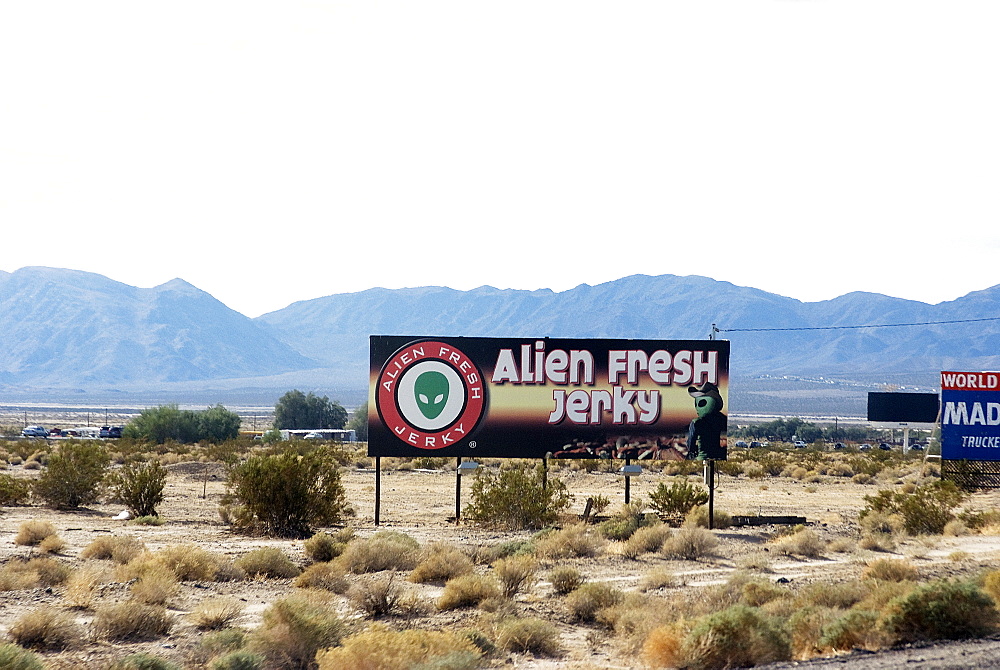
970,416
547,397
903,407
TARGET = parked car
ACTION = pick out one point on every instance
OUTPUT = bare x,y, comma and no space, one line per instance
741,444
799,444
35,431
755,444
110,431
55,432
916,446
865,447
885,446
840,445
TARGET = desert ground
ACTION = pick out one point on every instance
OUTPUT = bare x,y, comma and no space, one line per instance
421,503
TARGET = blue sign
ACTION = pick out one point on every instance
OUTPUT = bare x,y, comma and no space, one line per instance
970,416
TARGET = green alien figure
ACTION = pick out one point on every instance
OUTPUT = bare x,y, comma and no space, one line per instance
705,433
431,391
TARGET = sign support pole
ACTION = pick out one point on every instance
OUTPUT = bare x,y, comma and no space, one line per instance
458,489
378,487
628,484
711,494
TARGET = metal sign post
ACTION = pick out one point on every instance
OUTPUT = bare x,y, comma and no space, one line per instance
378,487
711,494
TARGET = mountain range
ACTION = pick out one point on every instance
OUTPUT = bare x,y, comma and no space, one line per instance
79,335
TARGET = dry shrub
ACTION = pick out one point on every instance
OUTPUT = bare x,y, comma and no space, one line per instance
855,629
940,610
241,659
156,586
45,630
585,602
216,613
385,550
268,562
380,648
991,585
376,596
573,541
143,661
131,622
565,579
15,657
53,544
883,542
439,562
890,570
736,637
756,562
801,543
662,648
295,628
326,546
841,545
646,540
514,574
805,629
19,574
118,548
698,517
325,576
689,544
658,578
956,528
82,586
468,590
840,595
188,562
31,533
528,635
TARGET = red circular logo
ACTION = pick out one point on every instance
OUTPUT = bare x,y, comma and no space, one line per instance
430,394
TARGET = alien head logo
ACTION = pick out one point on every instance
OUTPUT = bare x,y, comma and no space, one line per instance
430,394
431,389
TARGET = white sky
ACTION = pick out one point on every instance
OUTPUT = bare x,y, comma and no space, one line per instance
269,152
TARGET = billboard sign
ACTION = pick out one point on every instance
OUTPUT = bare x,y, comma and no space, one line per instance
970,416
903,407
542,397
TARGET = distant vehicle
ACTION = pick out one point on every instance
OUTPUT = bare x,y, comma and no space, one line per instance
755,444
840,445
313,436
885,446
799,444
741,444
55,432
110,431
865,447
35,431
916,446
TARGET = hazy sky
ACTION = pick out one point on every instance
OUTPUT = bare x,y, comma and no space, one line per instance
269,152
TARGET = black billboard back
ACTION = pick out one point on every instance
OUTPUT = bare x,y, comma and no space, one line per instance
903,407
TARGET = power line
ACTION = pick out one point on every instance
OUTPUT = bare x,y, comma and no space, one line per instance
873,325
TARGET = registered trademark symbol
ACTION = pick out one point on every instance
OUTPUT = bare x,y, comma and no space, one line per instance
472,444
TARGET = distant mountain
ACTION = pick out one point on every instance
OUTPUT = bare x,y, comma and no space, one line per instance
65,329
770,334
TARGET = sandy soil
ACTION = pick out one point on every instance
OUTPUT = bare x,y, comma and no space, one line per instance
422,504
